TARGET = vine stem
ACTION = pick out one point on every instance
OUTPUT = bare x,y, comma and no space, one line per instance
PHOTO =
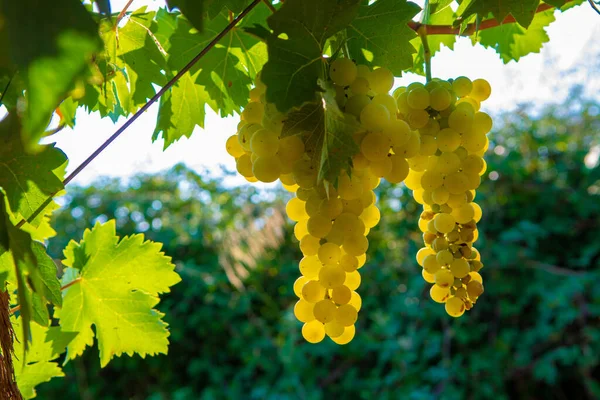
68,285
122,13
426,51
594,6
145,107
471,28
268,4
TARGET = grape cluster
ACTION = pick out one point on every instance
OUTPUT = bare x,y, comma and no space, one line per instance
431,136
444,176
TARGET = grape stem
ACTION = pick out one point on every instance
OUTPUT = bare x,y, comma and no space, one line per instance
594,6
426,51
68,285
472,28
145,107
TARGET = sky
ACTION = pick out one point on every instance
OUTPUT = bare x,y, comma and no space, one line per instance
572,56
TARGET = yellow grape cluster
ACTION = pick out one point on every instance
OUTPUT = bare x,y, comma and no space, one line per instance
444,176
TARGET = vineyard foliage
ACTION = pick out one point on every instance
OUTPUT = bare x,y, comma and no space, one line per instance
56,57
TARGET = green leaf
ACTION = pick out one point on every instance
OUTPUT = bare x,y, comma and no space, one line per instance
512,41
295,59
68,110
119,284
522,10
216,6
444,16
181,110
192,9
379,35
46,345
51,47
27,179
328,130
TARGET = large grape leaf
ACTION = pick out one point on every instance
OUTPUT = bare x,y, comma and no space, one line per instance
328,130
295,48
46,345
522,10
27,179
119,284
192,9
215,7
380,36
443,16
52,48
512,41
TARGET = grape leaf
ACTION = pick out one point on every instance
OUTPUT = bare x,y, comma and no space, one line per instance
215,7
380,36
512,41
329,131
444,16
295,59
119,284
27,179
51,47
522,10
192,9
46,345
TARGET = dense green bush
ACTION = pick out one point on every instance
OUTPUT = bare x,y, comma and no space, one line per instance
535,333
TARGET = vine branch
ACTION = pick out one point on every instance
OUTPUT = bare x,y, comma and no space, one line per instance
122,13
594,6
268,4
145,107
426,51
471,28
68,285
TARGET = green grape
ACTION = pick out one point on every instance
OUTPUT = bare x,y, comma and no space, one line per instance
346,315
331,207
303,194
444,257
387,101
463,214
475,276
349,188
461,119
348,263
264,143
371,216
444,278
455,307
398,91
414,86
428,145
481,90
355,244
448,140
313,291
402,103
329,253
432,180
345,337
382,167
303,310
300,229
439,244
313,332
244,165
431,129
439,294
461,153
375,146
332,276
360,86
355,104
381,80
410,148
334,329
456,200
482,123
349,224
343,71
291,148
440,99
295,209
398,132
298,284
418,118
304,174
422,253
474,288
267,168
477,213
456,183
325,311
313,204
309,245
444,223
353,280
418,162
440,195
472,164
374,117
474,141
367,199
430,264
418,98
355,301
353,206
363,71
341,294
427,277
310,266
460,268
399,170
319,225
462,86
253,112
233,147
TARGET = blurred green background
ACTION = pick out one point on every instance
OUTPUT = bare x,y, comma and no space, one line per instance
534,334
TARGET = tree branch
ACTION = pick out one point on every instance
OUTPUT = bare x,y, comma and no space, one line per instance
143,109
471,28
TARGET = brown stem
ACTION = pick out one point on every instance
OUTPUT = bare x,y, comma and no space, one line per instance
268,3
68,285
471,28
122,13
